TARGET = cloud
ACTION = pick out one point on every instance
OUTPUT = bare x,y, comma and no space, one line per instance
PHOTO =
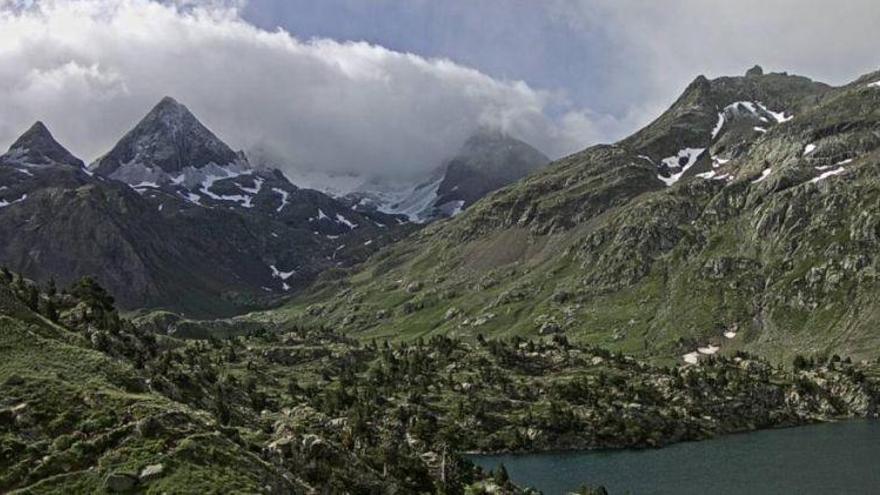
90,69
656,48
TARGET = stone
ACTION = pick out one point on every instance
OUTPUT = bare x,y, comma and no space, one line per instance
120,482
151,472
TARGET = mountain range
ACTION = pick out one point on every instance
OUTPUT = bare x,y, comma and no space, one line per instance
742,218
172,218
714,272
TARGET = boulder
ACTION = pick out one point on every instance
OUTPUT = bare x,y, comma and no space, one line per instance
151,472
120,482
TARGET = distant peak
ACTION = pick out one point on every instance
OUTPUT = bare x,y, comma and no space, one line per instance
168,106
755,71
38,129
169,137
168,100
37,146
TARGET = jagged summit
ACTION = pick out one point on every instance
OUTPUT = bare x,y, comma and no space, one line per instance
169,138
37,147
488,160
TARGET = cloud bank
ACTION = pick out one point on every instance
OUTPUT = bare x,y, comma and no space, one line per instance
90,69
655,48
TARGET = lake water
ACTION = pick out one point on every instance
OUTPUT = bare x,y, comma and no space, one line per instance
819,459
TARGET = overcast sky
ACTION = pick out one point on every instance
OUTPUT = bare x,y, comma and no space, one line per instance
393,86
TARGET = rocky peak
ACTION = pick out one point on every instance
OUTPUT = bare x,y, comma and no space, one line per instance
169,138
37,147
488,160
755,71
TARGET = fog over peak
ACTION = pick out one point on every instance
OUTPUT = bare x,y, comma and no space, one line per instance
92,68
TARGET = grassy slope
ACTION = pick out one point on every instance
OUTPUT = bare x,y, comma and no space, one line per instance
82,412
787,264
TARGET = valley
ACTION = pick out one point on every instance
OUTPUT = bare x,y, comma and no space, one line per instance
176,318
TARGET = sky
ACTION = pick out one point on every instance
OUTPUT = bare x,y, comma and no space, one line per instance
393,87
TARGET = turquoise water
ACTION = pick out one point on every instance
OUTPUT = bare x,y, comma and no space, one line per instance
829,458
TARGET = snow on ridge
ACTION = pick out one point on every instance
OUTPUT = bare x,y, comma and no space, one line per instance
284,197
755,108
4,203
691,154
713,175
227,173
341,219
417,204
875,84
718,125
779,117
764,174
825,175
276,273
144,185
258,184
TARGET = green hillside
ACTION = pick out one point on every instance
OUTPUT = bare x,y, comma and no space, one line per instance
767,234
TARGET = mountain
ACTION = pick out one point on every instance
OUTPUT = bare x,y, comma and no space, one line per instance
742,218
160,231
168,142
488,160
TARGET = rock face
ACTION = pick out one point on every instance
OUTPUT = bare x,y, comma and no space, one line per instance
169,139
172,218
37,147
749,204
488,161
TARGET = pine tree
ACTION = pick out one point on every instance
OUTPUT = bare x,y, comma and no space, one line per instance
33,297
49,310
501,477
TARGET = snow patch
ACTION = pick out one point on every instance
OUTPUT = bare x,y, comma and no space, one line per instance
341,219
713,175
144,185
779,117
825,175
809,149
766,173
718,125
4,203
690,155
284,196
729,335
708,350
755,108
276,273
